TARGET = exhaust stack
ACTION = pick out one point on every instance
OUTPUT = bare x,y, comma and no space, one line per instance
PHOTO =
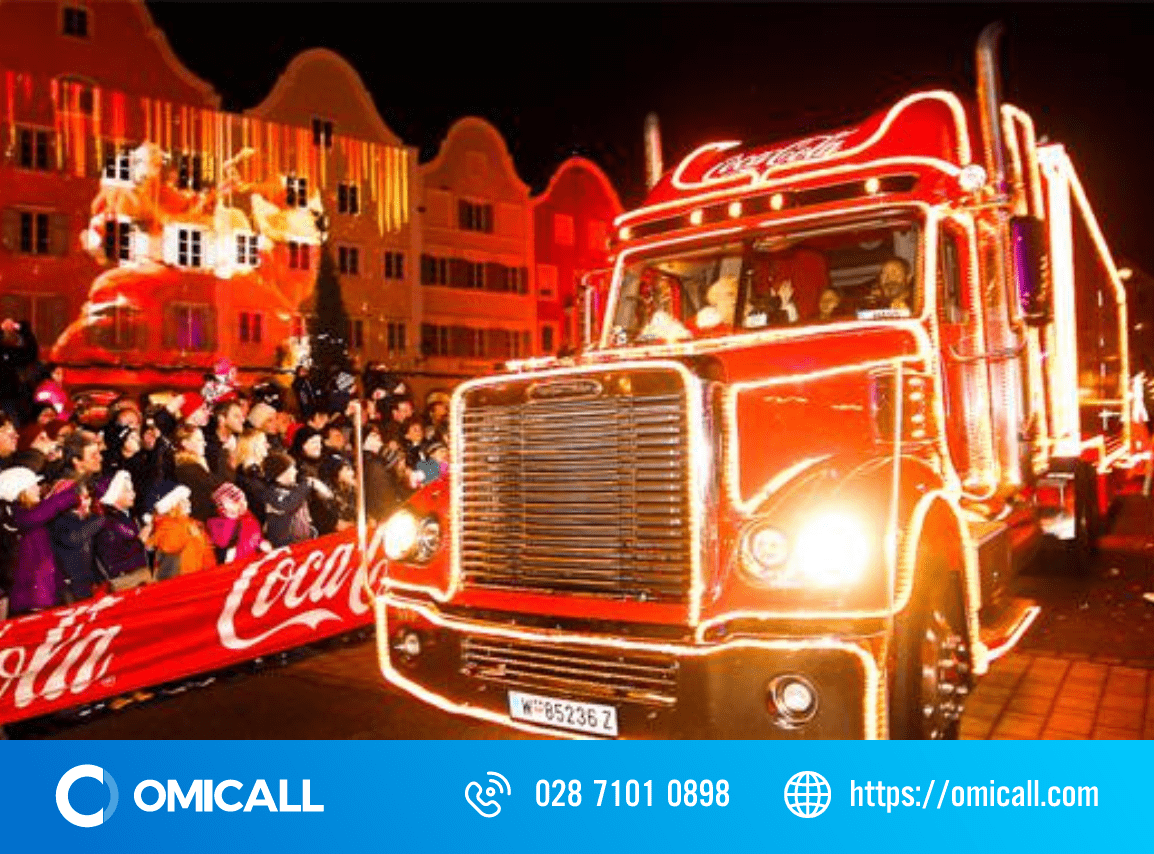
990,104
653,162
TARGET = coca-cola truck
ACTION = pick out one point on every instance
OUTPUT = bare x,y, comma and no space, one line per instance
844,387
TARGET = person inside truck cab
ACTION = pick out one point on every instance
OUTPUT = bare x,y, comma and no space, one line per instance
659,299
786,288
721,304
894,287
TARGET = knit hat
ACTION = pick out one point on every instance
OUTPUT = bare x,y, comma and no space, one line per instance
222,367
435,397
112,492
260,414
15,480
300,436
165,495
277,464
192,402
226,493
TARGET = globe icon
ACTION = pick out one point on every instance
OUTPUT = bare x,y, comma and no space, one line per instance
807,794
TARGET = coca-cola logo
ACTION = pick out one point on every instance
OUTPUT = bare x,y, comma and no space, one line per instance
761,163
73,654
282,590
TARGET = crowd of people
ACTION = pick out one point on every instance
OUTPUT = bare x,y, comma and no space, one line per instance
177,483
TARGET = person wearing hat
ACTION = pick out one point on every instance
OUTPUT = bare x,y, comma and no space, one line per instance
37,582
119,545
722,304
386,475
220,385
337,473
51,391
235,531
73,535
286,512
264,418
182,546
194,409
437,416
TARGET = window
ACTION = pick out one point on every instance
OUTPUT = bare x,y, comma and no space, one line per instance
598,236
118,164
117,240
322,133
189,242
563,229
348,200
246,250
116,327
434,271
298,255
396,337
250,330
193,327
546,281
299,327
34,233
349,260
46,313
357,333
34,148
475,275
76,22
188,176
518,280
296,192
472,216
394,265
546,339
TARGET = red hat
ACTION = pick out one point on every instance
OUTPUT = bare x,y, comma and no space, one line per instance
192,402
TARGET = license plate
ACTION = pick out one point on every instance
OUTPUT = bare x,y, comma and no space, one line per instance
590,718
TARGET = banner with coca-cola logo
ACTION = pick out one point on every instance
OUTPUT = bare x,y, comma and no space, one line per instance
193,624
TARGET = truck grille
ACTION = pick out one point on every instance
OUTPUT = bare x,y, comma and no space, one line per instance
581,496
585,672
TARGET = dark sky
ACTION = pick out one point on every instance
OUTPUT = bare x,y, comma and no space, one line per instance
578,79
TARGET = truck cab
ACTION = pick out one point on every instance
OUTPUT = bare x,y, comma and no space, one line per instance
843,387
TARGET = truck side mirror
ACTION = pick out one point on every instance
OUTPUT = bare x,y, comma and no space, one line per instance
1031,269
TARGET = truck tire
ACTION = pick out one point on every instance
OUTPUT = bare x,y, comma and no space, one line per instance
932,666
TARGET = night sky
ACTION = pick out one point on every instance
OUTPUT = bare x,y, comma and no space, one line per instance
559,80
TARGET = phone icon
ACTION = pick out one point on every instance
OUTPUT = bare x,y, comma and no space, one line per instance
483,798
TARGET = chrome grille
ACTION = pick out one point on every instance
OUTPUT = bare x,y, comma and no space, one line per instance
585,496
586,672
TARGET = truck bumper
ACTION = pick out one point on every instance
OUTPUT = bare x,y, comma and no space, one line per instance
660,689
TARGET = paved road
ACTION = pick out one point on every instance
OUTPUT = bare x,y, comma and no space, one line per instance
1083,671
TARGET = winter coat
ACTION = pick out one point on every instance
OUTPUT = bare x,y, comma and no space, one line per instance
72,543
182,537
201,483
286,515
36,580
382,494
222,530
118,545
9,539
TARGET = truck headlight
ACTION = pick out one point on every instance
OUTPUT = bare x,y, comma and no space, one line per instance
408,537
832,549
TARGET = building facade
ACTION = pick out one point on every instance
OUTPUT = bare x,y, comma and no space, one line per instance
572,220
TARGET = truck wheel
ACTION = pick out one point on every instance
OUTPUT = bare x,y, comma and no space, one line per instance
932,670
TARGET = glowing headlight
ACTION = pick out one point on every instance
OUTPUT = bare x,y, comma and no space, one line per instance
764,552
400,535
428,538
831,550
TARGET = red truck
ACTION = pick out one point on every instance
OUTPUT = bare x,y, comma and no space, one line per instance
845,385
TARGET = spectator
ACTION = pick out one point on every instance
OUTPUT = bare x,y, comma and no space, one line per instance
400,411
192,471
251,452
338,474
120,542
287,518
194,409
307,395
18,352
381,493
435,463
437,416
220,439
220,385
36,580
9,439
51,391
264,418
159,459
73,533
82,458
412,441
182,546
235,531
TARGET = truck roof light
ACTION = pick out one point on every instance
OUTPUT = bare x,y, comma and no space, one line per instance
735,209
696,217
777,201
872,185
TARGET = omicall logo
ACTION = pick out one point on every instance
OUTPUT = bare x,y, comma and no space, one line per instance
65,785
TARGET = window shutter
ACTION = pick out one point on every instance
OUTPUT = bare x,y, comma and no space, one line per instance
169,327
171,240
10,229
524,281
458,273
58,234
495,277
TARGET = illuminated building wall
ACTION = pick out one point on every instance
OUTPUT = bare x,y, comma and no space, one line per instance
572,221
476,261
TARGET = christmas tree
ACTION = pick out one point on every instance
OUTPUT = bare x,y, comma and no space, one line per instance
329,330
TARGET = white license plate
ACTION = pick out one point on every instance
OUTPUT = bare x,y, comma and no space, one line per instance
591,718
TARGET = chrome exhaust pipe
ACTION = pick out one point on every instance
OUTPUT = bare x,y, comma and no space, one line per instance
653,158
990,104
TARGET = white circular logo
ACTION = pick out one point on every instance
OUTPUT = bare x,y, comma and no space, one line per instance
91,819
807,794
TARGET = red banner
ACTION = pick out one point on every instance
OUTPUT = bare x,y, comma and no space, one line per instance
192,624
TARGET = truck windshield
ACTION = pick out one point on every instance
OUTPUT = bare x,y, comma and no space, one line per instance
865,271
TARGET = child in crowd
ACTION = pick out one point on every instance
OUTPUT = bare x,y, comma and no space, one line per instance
120,543
235,533
182,546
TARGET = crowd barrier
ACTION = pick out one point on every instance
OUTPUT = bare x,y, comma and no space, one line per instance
111,644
